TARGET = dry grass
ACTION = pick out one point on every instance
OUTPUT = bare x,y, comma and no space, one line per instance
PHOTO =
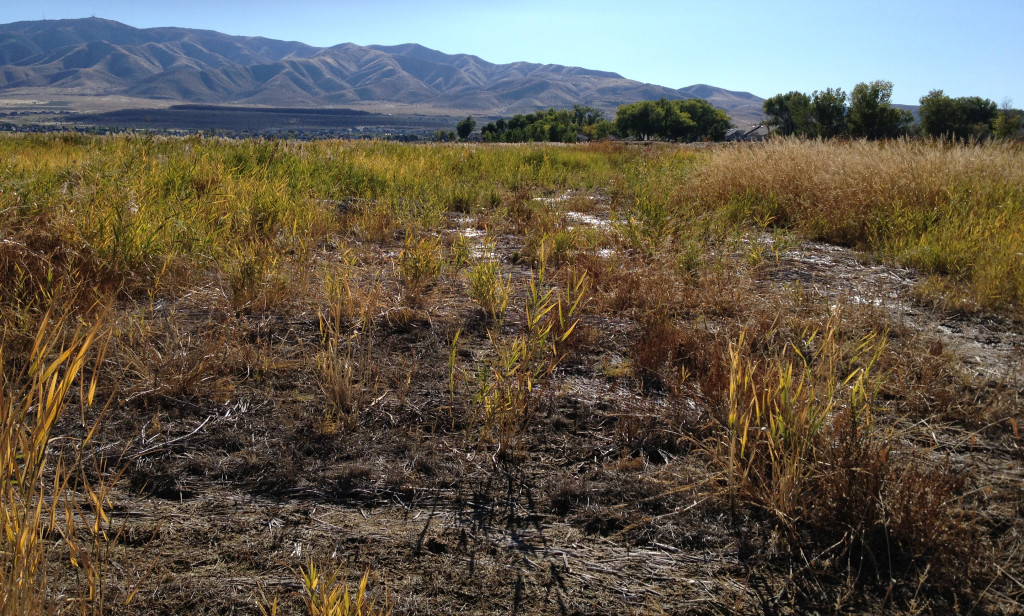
952,210
44,485
489,290
310,319
503,386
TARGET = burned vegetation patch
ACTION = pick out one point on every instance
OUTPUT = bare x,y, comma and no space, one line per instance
570,380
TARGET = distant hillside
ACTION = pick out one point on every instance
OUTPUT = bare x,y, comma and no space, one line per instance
101,57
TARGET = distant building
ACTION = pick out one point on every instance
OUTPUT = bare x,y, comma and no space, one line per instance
752,133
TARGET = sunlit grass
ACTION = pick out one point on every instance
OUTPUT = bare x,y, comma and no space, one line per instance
134,201
948,209
216,255
45,489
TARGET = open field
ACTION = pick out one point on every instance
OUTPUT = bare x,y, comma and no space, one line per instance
38,100
256,120
598,379
40,114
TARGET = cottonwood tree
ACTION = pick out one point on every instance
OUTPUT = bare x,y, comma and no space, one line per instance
1008,122
789,113
872,115
641,120
828,109
563,125
586,116
711,123
964,117
673,120
465,127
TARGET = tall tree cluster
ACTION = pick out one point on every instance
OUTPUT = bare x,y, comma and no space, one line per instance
562,125
868,113
674,120
958,118
465,127
1008,122
872,115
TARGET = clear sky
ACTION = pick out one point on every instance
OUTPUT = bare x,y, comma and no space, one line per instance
964,48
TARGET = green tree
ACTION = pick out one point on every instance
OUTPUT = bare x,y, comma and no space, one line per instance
963,118
872,115
642,120
1007,124
674,120
586,116
563,125
602,129
711,123
790,113
829,110
938,114
490,132
465,127
976,115
676,125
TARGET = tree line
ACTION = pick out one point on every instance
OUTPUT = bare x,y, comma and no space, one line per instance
560,125
868,113
671,120
865,113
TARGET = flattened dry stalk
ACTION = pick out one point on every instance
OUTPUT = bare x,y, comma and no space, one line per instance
165,357
38,480
206,231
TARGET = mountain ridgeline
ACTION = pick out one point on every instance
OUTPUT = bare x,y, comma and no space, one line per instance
100,57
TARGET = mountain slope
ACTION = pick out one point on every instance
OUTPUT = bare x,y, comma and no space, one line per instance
97,56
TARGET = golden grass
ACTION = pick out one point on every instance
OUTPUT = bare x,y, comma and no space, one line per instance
326,594
141,203
949,209
489,289
503,386
779,406
41,481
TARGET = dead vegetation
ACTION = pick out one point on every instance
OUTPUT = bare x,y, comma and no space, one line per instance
359,378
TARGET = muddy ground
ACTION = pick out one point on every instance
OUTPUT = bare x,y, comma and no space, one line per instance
611,500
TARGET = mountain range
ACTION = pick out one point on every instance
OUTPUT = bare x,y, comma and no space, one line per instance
96,56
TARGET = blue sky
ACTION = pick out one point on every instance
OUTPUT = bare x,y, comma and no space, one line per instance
963,48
